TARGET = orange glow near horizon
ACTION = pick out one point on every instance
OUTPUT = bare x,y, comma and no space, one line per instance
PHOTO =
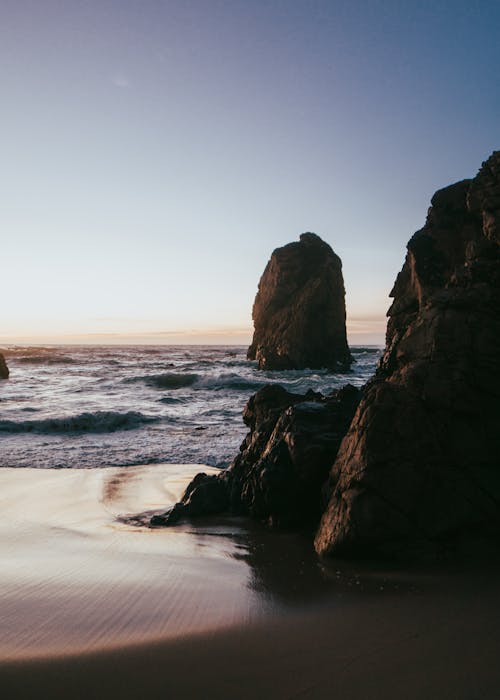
370,330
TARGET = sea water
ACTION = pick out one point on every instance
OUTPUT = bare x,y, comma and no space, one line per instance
93,406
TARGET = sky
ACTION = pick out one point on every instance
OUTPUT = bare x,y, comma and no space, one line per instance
155,152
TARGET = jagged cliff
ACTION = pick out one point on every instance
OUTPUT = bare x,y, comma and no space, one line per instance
421,460
299,310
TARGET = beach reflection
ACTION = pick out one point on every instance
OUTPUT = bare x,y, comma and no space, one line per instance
285,573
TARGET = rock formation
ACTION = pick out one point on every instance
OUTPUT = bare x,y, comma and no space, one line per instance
205,495
4,370
286,457
283,462
420,464
421,461
299,310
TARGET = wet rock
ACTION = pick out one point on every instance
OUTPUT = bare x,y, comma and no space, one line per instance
4,370
280,473
299,311
205,495
421,460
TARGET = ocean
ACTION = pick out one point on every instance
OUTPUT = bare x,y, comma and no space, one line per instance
94,406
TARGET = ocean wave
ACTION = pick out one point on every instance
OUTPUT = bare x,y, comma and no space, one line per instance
366,350
240,363
47,360
168,380
98,422
230,381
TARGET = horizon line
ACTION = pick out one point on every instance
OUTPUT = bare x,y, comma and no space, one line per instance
369,327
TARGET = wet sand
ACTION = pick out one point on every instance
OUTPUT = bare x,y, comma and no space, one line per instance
91,607
74,578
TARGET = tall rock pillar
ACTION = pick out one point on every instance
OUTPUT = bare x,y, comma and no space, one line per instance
299,311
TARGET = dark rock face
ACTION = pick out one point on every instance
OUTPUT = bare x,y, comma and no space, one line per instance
421,460
299,310
283,462
4,370
285,459
205,495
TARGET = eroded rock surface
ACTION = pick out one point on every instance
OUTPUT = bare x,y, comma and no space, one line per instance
207,494
299,310
285,459
421,460
283,462
4,370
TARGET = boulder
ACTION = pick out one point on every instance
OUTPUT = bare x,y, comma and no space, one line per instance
4,370
420,465
299,310
205,495
283,463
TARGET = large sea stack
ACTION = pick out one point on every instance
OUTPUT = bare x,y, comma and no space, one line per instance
299,309
4,370
421,461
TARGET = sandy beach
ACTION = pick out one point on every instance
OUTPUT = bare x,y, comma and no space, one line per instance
74,578
91,606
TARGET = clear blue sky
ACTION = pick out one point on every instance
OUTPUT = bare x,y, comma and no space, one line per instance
154,153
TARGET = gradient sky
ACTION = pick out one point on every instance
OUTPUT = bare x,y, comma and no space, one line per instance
154,153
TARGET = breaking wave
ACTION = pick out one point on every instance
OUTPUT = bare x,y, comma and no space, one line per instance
89,406
98,422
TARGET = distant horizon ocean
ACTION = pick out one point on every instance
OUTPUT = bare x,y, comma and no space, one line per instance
84,406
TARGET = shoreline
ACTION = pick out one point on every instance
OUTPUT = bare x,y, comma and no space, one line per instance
92,607
74,577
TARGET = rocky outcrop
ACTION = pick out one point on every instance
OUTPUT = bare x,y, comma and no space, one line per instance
4,370
205,495
421,461
283,462
286,457
299,311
